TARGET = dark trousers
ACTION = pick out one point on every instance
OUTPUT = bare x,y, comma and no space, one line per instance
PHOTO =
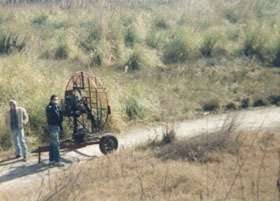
54,153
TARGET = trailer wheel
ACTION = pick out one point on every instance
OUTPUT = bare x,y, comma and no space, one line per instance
108,143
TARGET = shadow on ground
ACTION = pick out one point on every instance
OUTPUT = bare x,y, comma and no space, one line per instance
15,168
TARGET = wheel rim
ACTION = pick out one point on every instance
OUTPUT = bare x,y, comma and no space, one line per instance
109,145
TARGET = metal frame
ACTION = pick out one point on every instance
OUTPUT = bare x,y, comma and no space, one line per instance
89,85
39,150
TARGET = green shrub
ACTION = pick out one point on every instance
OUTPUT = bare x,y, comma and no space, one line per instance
211,105
90,37
233,34
253,44
11,41
5,43
46,53
230,106
96,58
207,46
274,99
126,21
130,37
176,51
262,8
90,47
274,54
204,25
40,19
231,15
135,61
245,103
94,34
259,102
62,51
161,23
153,39
5,141
134,109
58,24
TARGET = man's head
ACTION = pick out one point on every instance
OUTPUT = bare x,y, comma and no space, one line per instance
54,99
13,104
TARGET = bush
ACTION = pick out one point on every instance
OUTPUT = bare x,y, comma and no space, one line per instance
11,41
62,51
40,19
96,60
169,135
233,34
135,62
211,105
259,102
176,51
253,45
161,23
96,57
207,46
274,99
153,39
130,37
46,53
245,103
94,34
5,43
230,106
91,36
134,109
274,54
199,148
5,141
231,15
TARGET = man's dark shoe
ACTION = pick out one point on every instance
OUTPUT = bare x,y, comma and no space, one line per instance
24,159
18,156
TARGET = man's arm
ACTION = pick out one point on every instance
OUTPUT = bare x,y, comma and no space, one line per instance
50,111
25,117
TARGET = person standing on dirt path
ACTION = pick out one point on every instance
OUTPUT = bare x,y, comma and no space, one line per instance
16,119
54,119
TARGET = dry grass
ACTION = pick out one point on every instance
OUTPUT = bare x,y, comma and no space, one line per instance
77,35
244,168
174,64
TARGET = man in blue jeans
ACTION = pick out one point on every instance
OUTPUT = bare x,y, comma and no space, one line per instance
54,118
16,119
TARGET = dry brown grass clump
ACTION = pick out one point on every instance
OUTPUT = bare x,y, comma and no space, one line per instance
201,148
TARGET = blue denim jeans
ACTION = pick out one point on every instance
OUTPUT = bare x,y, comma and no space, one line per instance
54,154
18,138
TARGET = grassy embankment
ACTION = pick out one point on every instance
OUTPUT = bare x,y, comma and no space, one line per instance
226,165
191,58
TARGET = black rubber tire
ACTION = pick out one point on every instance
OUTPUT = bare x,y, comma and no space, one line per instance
108,143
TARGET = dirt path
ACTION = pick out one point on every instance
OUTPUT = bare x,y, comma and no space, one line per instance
14,173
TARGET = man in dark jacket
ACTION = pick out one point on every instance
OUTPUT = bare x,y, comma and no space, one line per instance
54,118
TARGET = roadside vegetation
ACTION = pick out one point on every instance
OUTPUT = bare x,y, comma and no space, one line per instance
225,165
196,57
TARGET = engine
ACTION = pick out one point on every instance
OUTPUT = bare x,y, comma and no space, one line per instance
72,106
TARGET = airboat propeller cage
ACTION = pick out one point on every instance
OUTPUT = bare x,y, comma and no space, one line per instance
86,104
86,101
